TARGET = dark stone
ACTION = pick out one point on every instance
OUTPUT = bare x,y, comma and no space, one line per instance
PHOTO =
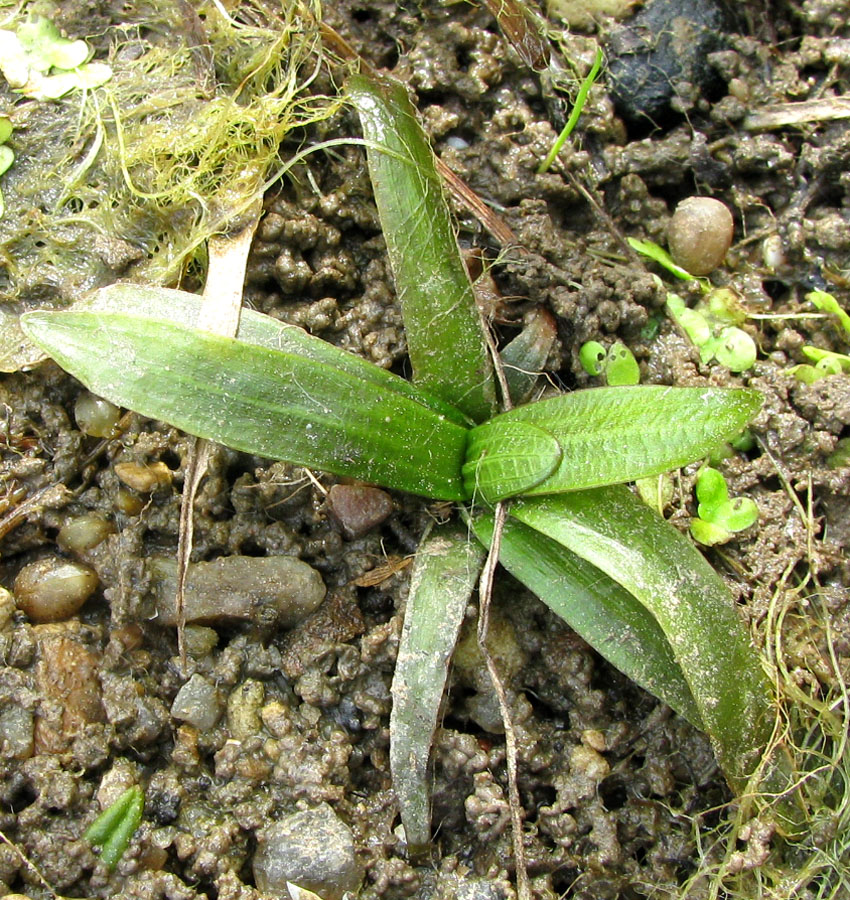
662,49
358,507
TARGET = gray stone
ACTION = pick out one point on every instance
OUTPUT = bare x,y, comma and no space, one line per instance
197,703
313,849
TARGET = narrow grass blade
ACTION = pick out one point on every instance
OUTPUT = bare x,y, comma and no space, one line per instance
617,434
617,533
444,575
182,308
445,337
605,614
262,401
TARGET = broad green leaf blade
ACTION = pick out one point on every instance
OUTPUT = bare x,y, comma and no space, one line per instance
515,458
613,530
445,337
605,614
262,401
182,308
617,434
444,575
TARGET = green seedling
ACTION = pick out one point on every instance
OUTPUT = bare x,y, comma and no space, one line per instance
581,99
7,155
708,329
114,828
38,62
627,581
828,304
718,516
658,254
826,362
618,364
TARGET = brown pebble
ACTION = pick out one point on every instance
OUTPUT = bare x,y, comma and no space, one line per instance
53,589
265,590
358,508
700,234
144,479
67,678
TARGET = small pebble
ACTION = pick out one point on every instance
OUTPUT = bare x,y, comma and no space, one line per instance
67,675
358,508
197,703
17,732
313,849
7,607
265,590
83,532
144,479
96,416
700,234
53,589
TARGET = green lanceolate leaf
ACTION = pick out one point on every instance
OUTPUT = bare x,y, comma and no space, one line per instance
444,575
617,533
508,460
617,434
605,614
114,828
276,404
182,308
445,337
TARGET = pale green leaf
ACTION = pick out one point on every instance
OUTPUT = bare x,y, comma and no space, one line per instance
507,460
183,308
617,434
606,615
276,404
445,337
613,530
445,572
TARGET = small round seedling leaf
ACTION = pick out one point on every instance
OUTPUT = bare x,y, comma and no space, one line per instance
829,365
45,44
736,349
709,534
621,367
711,491
737,514
7,157
592,357
806,373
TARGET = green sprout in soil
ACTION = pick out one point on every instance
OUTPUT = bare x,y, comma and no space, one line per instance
710,328
114,828
658,254
578,106
826,362
541,484
7,155
718,516
617,364
38,62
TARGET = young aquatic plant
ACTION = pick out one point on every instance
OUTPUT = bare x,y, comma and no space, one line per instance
628,582
114,828
617,364
718,516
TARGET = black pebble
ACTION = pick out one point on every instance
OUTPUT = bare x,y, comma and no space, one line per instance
665,44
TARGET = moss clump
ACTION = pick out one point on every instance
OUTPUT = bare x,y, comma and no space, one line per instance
130,179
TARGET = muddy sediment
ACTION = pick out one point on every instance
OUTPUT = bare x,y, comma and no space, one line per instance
280,724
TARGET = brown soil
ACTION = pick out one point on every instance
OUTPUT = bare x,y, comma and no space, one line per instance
611,781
